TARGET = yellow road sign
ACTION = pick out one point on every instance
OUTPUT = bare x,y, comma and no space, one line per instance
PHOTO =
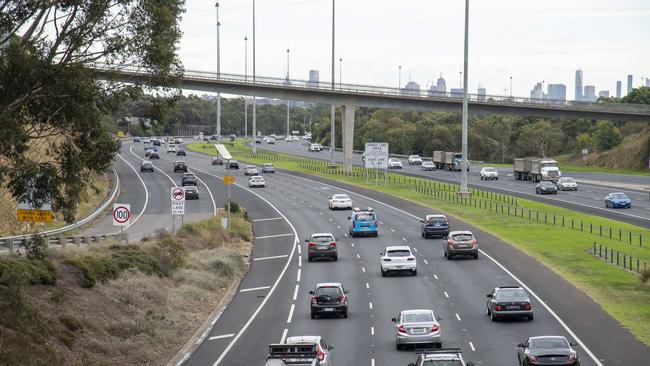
35,215
229,179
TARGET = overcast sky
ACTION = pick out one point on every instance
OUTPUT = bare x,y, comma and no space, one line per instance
532,41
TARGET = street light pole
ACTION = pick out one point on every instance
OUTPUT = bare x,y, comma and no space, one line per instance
254,98
340,73
511,87
245,79
216,5
288,102
399,77
333,108
463,176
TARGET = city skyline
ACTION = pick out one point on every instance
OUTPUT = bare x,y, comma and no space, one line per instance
373,41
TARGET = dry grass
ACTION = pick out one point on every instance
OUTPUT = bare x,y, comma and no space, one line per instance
631,153
136,318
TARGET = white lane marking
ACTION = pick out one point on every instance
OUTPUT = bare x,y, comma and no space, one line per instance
272,257
363,269
321,212
295,293
435,276
425,262
155,167
255,288
299,250
358,256
298,276
557,317
352,244
299,261
269,219
415,250
393,230
446,294
331,219
457,316
404,239
381,222
338,226
222,336
471,345
293,306
284,335
367,285
272,236
372,330
372,362
370,305
346,235
146,192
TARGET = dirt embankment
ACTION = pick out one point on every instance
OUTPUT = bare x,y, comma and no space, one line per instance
632,152
117,305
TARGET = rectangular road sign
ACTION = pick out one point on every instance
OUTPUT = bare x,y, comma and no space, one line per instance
178,200
35,215
376,155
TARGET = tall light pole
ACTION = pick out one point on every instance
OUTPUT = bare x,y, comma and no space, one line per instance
333,108
245,79
340,72
399,77
216,5
254,98
288,102
511,87
464,191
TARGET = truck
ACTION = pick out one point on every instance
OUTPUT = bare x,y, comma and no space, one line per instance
300,351
536,169
446,160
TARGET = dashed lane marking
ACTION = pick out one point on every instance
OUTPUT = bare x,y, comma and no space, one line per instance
370,305
255,288
293,306
457,316
435,276
295,293
298,276
284,335
446,294
471,345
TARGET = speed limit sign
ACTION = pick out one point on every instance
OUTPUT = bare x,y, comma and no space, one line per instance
121,214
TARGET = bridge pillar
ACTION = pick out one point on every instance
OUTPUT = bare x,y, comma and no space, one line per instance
348,136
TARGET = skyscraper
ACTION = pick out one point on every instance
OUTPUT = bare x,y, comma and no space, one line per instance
629,84
618,89
440,88
481,93
556,92
590,93
603,93
647,82
537,93
579,95
313,77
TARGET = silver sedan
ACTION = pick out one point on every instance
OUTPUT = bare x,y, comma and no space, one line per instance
417,327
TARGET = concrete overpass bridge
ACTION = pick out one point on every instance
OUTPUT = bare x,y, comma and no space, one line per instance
351,96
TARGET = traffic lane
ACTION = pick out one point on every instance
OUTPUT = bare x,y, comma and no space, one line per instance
585,317
463,317
638,215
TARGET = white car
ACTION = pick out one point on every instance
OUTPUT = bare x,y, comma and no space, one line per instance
398,259
415,160
394,163
307,137
567,184
178,140
315,147
270,140
340,201
256,181
171,148
490,173
146,140
428,166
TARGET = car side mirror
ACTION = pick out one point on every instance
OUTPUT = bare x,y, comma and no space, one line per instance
382,253
394,320
489,295
306,240
438,318
349,217
311,292
521,345
346,291
573,344
421,220
330,347
469,363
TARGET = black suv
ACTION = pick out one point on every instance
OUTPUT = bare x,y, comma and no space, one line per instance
329,298
188,179
234,164
180,151
434,225
180,166
191,193
509,302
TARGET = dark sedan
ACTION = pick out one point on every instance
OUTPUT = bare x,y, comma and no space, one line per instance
146,166
549,350
234,164
546,187
434,225
191,193
180,151
180,166
509,302
188,179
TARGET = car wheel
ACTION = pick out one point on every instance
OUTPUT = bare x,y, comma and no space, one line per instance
531,317
422,234
310,259
383,273
336,258
476,256
444,253
488,311
493,317
448,256
414,273
439,345
497,178
398,346
345,314
313,315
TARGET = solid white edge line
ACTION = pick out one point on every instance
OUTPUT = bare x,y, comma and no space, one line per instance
557,317
146,192
254,288
272,257
222,336
272,236
214,204
293,306
269,219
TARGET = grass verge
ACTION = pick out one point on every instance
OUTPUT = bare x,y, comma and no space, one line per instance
117,305
564,250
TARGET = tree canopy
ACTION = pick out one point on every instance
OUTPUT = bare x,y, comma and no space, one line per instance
48,92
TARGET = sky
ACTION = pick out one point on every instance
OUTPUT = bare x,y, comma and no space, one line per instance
530,41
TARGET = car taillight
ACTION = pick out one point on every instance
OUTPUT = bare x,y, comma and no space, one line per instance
572,357
401,329
410,259
321,354
528,307
498,308
532,358
311,244
342,298
450,242
474,242
435,328
333,244
313,299
353,224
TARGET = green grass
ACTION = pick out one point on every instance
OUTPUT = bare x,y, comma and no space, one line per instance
564,250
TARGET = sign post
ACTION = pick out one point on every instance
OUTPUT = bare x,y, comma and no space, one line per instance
376,157
228,179
178,204
121,217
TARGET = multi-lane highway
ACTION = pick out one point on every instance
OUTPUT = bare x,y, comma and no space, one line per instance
589,198
272,301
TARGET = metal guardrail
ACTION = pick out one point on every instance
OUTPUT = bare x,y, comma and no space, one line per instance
61,241
359,89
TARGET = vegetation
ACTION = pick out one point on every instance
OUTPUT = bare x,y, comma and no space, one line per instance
563,250
114,304
49,92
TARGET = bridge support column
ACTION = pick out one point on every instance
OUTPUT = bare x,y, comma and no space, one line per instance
348,136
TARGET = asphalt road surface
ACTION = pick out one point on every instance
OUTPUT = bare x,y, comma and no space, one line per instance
272,301
589,198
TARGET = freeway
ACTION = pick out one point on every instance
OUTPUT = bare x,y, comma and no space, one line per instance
589,198
272,301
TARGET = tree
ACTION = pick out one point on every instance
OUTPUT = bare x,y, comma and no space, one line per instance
584,141
48,92
541,138
607,135
638,96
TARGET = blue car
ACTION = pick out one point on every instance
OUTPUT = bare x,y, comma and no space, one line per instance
363,222
617,199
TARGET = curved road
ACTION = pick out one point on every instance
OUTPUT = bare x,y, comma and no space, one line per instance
272,301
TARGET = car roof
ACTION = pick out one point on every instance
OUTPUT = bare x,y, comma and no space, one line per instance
145,162
179,161
547,337
322,234
303,339
617,193
417,311
398,247
435,215
488,167
460,232
329,284
267,164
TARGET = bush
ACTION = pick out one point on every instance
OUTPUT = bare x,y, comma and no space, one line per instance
18,314
607,135
234,207
22,270
169,254
644,275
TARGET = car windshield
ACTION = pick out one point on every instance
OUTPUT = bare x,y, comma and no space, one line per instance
328,291
415,156
417,318
489,170
365,216
257,179
268,165
619,196
398,253
340,197
394,160
568,180
548,343
547,184
427,163
462,237
442,363
512,295
322,239
435,219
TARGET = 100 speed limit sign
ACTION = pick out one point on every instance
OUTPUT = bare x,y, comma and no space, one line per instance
121,214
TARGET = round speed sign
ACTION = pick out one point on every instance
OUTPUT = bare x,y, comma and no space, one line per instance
121,214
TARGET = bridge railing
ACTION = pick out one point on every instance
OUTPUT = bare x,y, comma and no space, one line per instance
396,92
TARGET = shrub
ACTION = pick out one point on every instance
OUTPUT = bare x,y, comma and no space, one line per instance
22,270
18,314
234,207
644,275
169,253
